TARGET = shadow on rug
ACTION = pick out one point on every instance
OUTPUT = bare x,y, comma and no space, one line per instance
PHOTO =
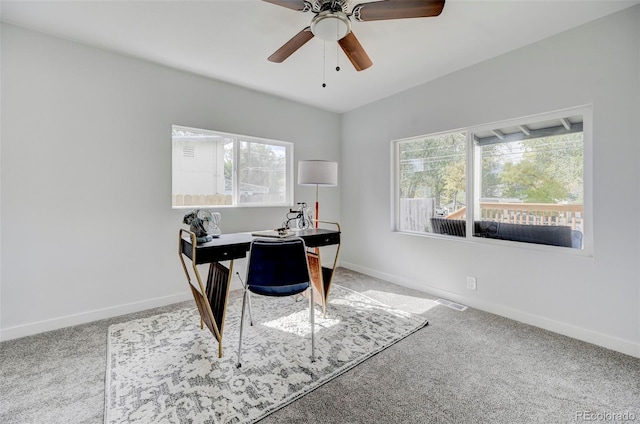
165,369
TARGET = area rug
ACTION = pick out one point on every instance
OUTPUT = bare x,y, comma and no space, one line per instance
165,369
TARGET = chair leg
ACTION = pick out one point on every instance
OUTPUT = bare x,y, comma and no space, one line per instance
312,319
249,294
244,300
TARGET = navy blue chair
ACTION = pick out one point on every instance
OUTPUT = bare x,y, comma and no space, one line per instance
277,267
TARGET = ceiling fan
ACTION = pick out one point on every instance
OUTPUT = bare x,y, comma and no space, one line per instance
332,22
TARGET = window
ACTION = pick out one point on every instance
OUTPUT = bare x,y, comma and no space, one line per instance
211,168
520,181
432,180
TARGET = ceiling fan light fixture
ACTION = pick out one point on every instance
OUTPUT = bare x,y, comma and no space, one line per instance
330,26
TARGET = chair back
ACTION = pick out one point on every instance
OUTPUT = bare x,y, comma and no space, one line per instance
277,263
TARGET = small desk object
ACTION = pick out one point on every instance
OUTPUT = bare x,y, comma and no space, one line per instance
211,299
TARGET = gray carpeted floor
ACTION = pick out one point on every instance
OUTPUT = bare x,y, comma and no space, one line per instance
465,367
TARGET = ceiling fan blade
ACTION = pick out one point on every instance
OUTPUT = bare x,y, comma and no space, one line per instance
397,9
291,46
300,5
354,51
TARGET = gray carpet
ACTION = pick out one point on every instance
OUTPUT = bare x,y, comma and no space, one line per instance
465,367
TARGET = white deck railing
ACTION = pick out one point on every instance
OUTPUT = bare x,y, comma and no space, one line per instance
528,213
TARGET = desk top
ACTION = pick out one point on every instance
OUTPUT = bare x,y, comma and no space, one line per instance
236,245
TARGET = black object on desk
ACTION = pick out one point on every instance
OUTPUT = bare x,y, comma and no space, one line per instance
211,299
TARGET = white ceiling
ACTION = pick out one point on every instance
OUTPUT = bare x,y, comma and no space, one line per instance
231,40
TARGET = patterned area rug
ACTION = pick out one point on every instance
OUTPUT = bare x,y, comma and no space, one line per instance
164,369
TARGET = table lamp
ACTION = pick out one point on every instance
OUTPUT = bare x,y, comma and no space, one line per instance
318,173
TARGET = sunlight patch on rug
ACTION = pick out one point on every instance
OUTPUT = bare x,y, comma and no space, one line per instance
165,369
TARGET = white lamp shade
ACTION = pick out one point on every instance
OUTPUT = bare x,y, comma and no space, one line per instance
318,172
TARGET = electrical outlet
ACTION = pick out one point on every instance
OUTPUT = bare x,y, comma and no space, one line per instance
471,283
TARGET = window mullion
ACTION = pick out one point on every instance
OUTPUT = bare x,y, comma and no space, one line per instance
235,183
472,184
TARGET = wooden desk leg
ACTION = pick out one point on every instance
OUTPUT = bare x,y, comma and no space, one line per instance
322,277
315,269
212,299
218,284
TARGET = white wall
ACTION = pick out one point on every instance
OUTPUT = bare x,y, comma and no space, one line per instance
87,228
592,298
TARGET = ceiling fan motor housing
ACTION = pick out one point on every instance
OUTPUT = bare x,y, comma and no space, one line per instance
330,25
335,5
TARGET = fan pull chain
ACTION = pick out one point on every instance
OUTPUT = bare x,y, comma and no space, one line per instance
337,49
324,64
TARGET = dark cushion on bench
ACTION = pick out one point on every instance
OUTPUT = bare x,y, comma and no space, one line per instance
452,227
553,235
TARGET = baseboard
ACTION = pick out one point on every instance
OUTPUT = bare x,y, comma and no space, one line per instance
89,316
619,345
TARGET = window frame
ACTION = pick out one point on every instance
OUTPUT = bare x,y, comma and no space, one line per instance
396,179
472,182
236,169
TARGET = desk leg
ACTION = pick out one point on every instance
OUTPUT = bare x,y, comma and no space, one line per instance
218,284
322,277
212,299
315,269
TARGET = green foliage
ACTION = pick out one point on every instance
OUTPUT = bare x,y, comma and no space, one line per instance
262,166
228,161
542,170
529,182
433,167
455,180
491,169
547,170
